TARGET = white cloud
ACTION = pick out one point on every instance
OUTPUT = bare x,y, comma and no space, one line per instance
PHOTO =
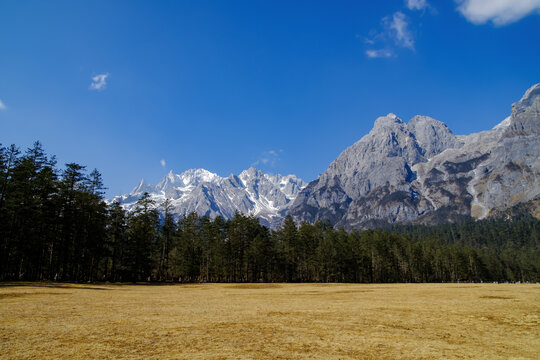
268,158
399,30
99,82
382,53
2,105
163,163
416,4
396,31
499,12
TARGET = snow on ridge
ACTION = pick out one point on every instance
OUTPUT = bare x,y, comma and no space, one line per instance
256,193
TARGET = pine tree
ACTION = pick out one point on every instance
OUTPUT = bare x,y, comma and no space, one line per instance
143,230
166,236
117,242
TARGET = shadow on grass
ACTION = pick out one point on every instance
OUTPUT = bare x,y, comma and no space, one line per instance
87,286
23,294
51,285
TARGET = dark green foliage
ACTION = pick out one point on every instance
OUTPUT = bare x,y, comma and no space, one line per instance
55,224
142,245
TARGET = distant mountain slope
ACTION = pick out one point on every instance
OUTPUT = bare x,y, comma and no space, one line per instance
267,197
421,172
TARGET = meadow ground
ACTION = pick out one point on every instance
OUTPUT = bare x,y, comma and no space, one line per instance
278,321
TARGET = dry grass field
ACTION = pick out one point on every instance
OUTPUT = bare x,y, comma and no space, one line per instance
270,321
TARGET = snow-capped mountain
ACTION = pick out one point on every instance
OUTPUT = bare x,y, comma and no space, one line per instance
399,172
253,192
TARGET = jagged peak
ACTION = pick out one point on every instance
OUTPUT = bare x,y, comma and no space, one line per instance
251,170
532,92
141,187
525,118
191,177
198,172
170,175
391,120
234,179
422,125
264,196
424,119
249,173
531,95
170,178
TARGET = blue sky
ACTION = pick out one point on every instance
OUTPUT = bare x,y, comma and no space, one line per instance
136,88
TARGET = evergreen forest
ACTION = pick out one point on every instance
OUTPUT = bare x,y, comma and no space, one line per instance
56,225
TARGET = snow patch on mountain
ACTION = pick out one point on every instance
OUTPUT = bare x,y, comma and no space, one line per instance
253,192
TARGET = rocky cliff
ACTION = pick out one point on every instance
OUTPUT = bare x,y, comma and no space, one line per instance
422,172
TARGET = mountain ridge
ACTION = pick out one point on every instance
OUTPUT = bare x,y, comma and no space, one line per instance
414,172
252,192
420,171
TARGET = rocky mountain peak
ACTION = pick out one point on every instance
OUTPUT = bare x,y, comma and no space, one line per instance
390,121
525,118
194,177
142,187
422,172
250,173
419,121
530,98
433,136
198,190
170,180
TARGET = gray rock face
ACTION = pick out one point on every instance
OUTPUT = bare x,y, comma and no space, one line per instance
253,192
526,114
421,172
433,136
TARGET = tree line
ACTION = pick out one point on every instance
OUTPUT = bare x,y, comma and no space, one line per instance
56,225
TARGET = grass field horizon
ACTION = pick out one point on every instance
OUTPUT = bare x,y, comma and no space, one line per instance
270,320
